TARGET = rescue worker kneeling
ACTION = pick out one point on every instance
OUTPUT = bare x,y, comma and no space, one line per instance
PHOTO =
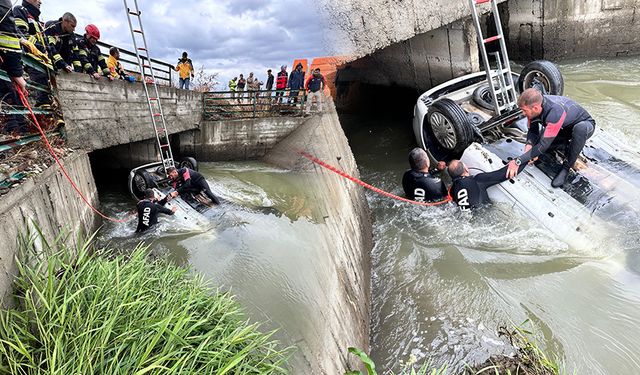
187,180
149,208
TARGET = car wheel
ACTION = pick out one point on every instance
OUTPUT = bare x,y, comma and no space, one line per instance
482,97
190,163
542,75
449,126
142,181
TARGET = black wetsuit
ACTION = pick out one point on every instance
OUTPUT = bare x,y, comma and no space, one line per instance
469,192
423,187
190,181
564,124
148,213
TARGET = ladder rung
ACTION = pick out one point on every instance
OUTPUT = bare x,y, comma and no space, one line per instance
493,38
134,13
142,49
482,1
157,114
146,66
137,31
165,145
153,99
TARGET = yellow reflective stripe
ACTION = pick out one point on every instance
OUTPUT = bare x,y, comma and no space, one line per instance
21,23
77,63
9,42
88,66
32,39
57,57
83,52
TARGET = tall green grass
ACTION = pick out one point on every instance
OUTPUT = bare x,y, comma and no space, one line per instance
79,312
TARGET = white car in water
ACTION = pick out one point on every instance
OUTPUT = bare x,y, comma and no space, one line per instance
457,120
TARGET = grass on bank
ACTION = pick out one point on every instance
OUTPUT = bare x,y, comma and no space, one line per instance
79,312
528,360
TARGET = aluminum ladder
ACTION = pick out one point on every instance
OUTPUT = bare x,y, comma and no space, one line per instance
153,99
503,91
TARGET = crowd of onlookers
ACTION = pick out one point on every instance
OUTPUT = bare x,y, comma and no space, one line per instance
289,88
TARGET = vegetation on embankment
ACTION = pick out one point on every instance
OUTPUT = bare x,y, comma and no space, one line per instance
528,359
81,311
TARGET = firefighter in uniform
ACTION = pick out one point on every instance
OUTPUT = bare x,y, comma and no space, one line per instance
89,56
10,62
30,30
60,41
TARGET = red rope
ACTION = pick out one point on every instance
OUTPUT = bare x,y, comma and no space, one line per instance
367,186
64,171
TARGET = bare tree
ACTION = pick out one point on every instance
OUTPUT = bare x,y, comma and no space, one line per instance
203,81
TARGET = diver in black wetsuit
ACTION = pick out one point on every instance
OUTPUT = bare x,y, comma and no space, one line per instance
419,183
149,208
187,180
468,191
565,124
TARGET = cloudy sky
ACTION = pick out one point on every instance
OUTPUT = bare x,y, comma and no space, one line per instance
226,36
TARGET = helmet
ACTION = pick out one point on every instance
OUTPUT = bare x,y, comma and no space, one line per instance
92,31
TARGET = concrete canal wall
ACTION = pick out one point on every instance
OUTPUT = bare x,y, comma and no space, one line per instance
50,201
101,114
345,269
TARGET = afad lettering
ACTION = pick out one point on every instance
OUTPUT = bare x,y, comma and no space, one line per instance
463,199
419,194
146,216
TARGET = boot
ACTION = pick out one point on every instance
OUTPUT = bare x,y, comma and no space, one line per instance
560,178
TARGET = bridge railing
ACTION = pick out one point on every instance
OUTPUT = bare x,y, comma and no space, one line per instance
33,87
222,105
163,71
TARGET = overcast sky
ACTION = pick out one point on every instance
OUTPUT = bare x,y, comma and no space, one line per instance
226,36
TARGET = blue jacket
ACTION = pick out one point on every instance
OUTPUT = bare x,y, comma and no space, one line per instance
296,80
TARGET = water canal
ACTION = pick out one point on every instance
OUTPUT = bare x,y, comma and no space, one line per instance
442,282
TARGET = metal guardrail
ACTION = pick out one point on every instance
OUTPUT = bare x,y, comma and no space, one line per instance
163,71
222,105
30,61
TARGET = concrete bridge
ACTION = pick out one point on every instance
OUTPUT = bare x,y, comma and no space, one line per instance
418,44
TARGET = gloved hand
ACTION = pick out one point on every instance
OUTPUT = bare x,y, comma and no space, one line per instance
35,51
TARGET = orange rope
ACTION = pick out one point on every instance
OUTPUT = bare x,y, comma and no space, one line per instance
367,186
46,141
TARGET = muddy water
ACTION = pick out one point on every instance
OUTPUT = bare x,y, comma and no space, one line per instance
443,282
263,246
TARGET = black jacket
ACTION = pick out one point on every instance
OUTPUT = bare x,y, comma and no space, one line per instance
148,211
269,84
470,192
9,42
189,181
29,26
423,187
90,58
60,45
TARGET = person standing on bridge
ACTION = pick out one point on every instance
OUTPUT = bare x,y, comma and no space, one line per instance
419,183
296,83
269,85
149,208
60,40
233,86
88,53
281,83
186,180
241,84
315,87
185,71
564,125
10,55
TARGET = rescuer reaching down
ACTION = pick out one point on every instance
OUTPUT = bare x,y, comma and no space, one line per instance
186,180
565,125
419,183
470,192
149,208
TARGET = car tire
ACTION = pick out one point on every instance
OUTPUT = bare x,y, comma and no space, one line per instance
542,75
482,97
449,126
142,180
189,162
